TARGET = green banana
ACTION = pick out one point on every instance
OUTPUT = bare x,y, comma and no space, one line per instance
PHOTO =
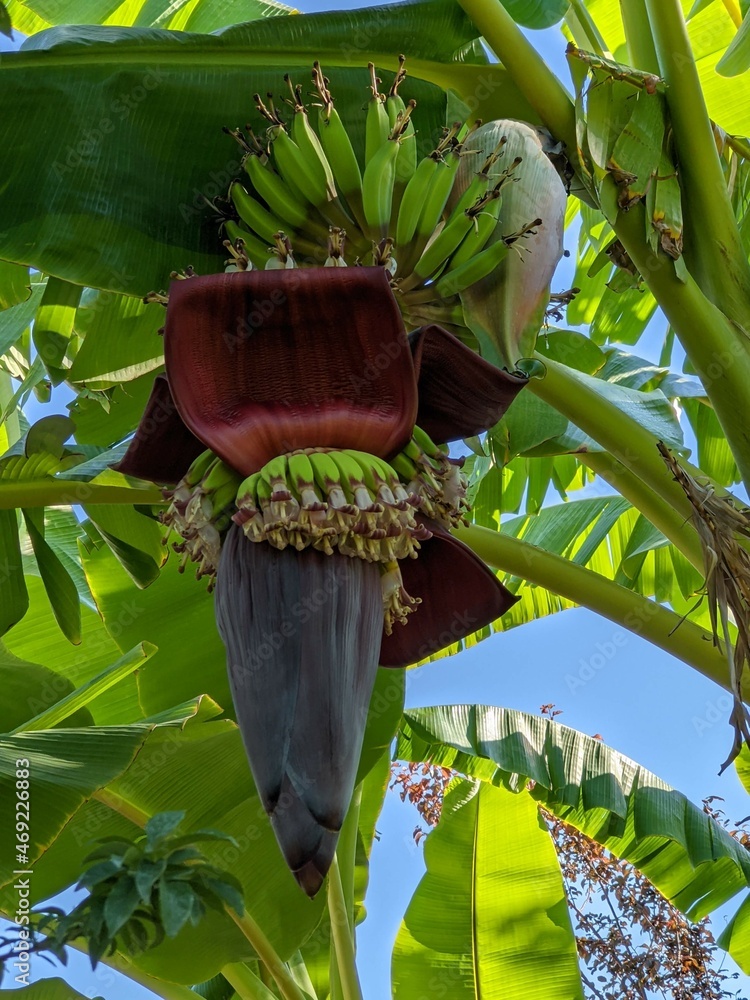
425,442
482,178
263,492
302,479
279,197
293,165
413,200
223,498
449,238
253,214
309,143
431,197
290,159
380,176
245,497
275,473
377,188
407,160
377,126
255,249
381,480
476,239
198,469
371,476
338,148
437,195
219,475
352,481
404,467
328,477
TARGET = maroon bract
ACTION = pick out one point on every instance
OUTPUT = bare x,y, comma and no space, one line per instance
162,447
317,585
460,394
261,363
464,596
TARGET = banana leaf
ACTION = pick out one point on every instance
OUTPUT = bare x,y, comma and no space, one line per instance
689,857
114,198
491,911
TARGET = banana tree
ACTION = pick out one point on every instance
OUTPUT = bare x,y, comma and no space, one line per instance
298,375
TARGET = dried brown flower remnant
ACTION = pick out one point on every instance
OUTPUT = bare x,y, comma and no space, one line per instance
721,522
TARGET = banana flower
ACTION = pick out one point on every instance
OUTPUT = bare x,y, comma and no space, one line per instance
286,376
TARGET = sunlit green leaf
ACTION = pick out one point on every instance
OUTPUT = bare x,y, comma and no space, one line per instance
491,911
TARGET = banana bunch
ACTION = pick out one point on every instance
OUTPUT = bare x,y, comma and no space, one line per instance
436,479
307,200
357,505
344,501
200,510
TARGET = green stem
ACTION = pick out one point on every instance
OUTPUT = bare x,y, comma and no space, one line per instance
300,974
734,11
343,938
246,984
346,852
594,40
532,75
718,350
659,512
621,435
641,48
662,627
716,244
85,694
67,492
268,955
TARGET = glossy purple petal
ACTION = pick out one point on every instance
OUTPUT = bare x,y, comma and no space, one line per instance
264,362
459,596
460,394
163,448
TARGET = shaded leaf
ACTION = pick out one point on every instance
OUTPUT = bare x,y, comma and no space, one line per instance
120,904
53,325
61,590
49,435
28,688
14,599
14,281
736,59
175,904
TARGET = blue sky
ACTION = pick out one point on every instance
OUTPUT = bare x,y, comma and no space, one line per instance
645,704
